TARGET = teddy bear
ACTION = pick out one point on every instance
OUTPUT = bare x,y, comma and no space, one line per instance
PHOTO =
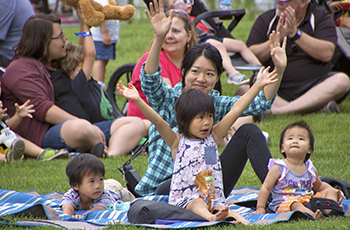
95,12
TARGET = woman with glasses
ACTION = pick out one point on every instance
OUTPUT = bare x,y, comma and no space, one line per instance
30,76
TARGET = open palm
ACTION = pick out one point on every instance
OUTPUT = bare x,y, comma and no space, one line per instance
160,22
129,93
266,78
278,53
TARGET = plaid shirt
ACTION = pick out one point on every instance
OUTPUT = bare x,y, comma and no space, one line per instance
161,97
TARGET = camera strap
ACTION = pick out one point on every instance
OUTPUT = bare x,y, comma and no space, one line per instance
144,145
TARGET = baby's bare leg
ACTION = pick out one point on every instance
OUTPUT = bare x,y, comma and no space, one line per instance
297,206
333,194
330,193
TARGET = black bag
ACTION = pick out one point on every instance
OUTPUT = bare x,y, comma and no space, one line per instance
131,176
338,184
325,204
148,211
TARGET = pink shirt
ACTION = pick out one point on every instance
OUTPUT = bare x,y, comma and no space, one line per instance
169,70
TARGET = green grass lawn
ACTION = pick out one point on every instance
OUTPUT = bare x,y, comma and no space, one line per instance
332,142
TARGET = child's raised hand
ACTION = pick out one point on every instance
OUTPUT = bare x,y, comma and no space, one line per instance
266,78
278,53
2,111
160,22
129,93
25,110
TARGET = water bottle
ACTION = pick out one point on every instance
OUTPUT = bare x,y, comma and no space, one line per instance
225,4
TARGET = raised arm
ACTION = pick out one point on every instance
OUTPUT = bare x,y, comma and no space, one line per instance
264,78
161,25
279,58
169,136
89,46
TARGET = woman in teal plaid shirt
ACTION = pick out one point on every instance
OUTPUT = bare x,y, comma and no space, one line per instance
248,141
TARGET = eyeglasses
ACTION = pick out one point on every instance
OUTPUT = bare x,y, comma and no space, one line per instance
185,2
183,12
61,36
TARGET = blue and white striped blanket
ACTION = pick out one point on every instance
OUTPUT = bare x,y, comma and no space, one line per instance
46,208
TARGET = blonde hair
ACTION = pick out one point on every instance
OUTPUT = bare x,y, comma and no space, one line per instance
75,56
189,27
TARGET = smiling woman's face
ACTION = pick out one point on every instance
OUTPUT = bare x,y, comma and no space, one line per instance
57,45
202,75
176,39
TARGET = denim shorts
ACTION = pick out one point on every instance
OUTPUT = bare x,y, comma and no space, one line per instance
104,52
53,138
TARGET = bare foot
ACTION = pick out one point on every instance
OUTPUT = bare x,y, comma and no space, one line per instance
221,214
318,215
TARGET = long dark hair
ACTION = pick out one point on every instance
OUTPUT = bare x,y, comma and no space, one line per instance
206,50
36,36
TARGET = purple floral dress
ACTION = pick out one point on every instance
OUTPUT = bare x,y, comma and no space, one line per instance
193,156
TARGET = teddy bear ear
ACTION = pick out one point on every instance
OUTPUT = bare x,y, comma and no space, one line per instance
113,12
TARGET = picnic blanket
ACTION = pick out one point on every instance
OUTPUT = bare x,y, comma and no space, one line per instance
46,210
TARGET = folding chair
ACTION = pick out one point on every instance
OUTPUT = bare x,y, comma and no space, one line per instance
213,20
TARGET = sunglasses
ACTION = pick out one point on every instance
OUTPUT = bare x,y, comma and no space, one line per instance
185,2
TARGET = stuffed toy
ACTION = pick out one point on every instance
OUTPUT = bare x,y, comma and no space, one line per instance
95,12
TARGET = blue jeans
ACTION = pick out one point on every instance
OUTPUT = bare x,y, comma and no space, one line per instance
53,138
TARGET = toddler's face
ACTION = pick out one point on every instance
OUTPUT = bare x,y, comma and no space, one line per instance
180,5
91,188
201,126
296,143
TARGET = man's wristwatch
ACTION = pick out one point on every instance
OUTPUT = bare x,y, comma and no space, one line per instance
297,35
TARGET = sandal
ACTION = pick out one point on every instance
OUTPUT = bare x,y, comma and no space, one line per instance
237,79
323,203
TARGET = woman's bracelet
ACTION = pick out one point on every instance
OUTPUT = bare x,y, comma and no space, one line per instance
85,34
